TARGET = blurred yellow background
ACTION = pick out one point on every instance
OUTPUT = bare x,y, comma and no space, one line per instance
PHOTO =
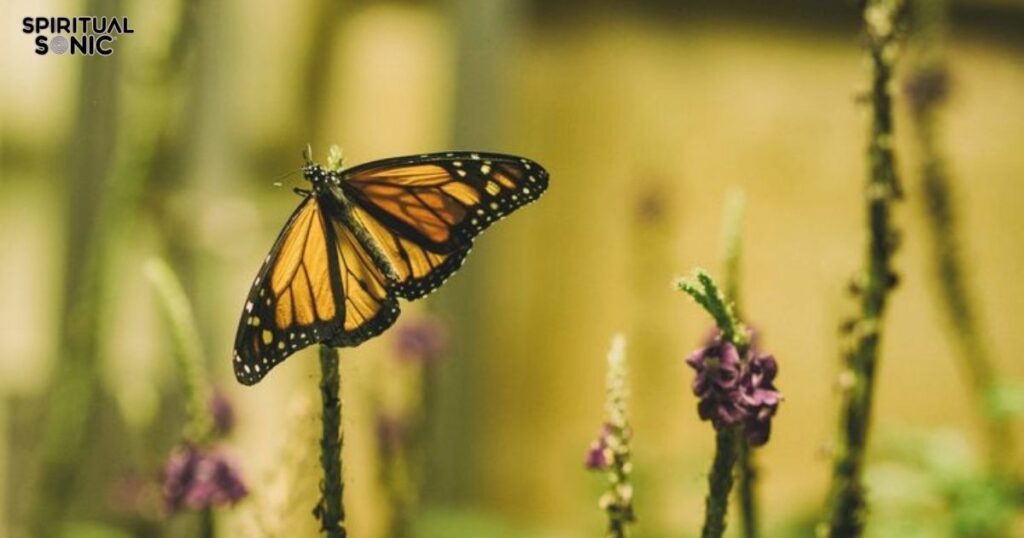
646,120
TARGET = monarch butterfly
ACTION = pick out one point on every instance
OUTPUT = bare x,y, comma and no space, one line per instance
363,237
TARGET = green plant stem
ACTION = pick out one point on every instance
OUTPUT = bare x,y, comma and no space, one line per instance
331,509
207,523
320,58
975,358
620,503
732,245
396,476
187,347
189,357
746,469
618,500
728,441
74,393
401,460
847,510
106,176
720,483
732,254
939,199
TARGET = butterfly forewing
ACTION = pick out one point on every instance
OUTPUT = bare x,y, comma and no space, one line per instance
425,210
318,285
292,302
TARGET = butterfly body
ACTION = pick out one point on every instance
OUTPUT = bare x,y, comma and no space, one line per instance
365,236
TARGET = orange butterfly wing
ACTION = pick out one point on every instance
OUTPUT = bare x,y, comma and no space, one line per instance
294,300
319,283
425,210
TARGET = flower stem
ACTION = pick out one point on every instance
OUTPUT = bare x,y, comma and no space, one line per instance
926,91
207,524
68,426
618,500
331,509
847,511
704,291
187,347
732,245
720,483
732,254
105,177
746,468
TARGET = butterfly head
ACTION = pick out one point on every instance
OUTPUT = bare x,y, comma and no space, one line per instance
322,177
315,174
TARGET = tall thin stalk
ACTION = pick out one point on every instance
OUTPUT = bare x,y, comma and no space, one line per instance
188,351
617,501
331,509
484,34
75,389
705,292
720,483
106,176
200,430
207,523
926,89
732,251
746,468
327,17
420,345
846,517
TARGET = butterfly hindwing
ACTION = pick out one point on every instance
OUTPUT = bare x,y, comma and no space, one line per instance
419,270
370,306
425,210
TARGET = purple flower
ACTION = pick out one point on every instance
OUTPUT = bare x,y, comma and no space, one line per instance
423,340
760,398
597,455
717,382
732,392
195,478
223,413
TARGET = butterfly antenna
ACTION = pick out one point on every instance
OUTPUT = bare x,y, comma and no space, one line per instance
279,179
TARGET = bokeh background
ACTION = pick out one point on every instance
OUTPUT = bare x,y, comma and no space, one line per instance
646,115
